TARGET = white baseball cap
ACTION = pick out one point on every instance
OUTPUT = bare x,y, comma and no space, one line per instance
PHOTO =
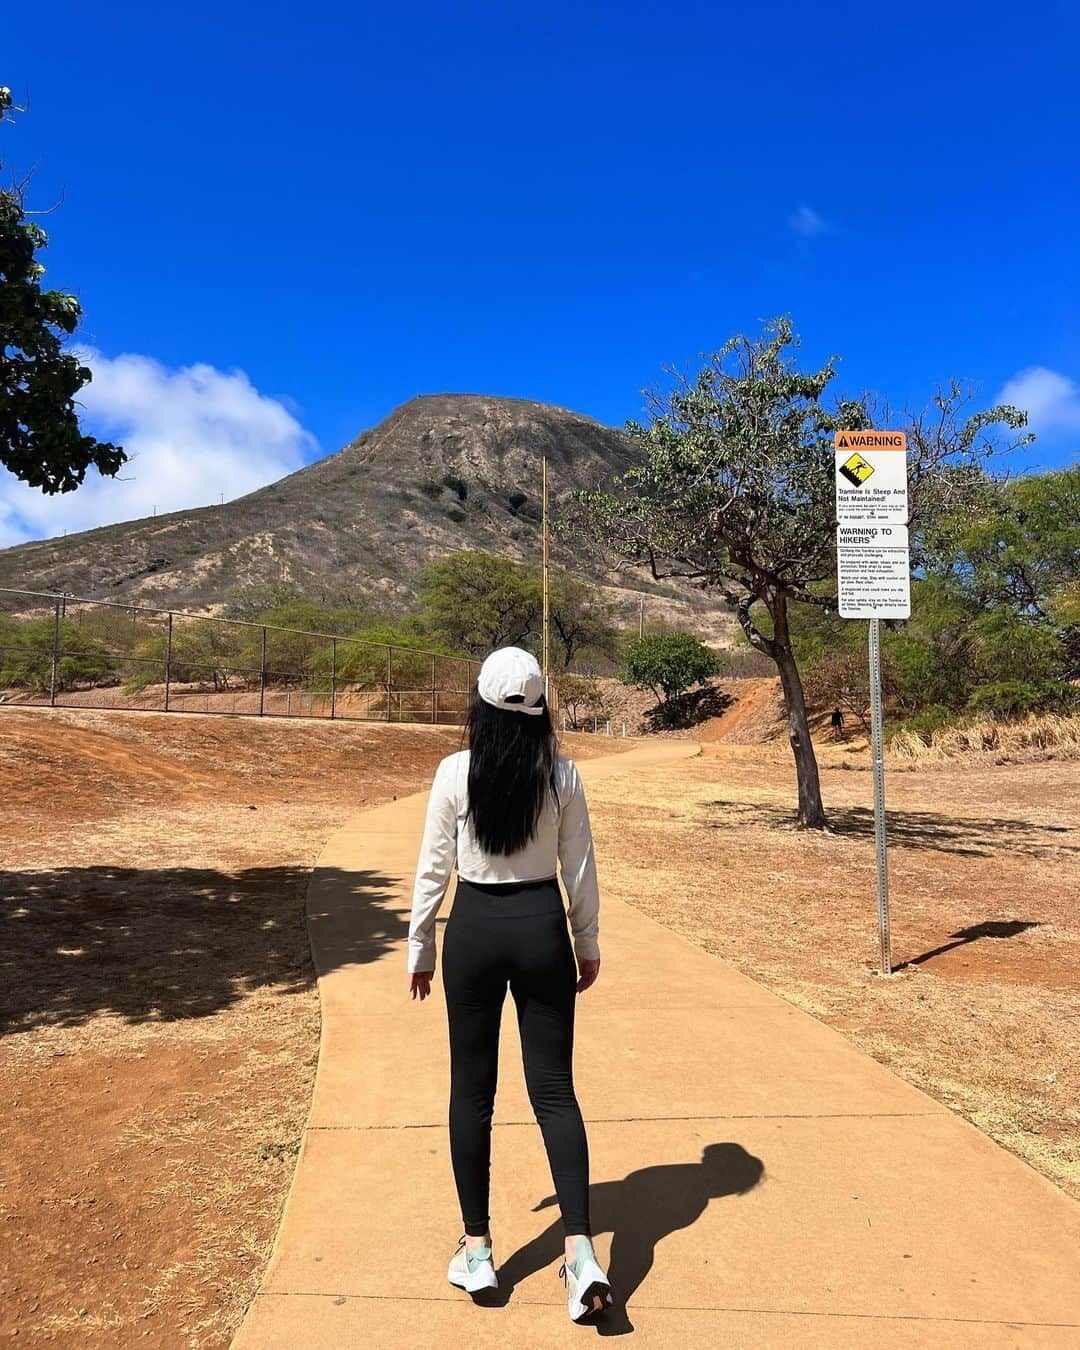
511,678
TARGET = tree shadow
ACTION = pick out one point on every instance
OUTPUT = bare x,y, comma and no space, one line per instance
688,710
982,837
161,945
639,1211
991,928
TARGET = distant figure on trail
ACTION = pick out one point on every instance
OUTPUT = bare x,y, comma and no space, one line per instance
504,812
836,721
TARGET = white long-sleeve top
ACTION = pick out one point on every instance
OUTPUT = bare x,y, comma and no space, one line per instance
563,835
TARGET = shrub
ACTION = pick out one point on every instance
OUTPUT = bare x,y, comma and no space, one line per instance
669,664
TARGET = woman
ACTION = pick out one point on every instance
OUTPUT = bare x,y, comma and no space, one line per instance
503,812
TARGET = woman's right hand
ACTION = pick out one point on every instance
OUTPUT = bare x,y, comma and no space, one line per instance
420,984
588,970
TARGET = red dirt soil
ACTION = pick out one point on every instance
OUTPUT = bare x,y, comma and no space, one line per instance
157,1003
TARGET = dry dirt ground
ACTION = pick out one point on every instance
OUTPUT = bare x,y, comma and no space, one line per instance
158,1015
161,1020
983,1011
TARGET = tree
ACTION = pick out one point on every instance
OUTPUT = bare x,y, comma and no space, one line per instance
735,491
27,656
476,601
40,439
581,697
669,664
581,619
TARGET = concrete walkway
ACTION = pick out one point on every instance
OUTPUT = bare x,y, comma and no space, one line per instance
756,1181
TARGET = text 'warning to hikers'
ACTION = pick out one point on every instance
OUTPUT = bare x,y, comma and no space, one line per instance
871,477
873,571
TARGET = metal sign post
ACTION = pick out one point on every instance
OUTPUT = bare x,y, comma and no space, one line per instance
874,582
877,749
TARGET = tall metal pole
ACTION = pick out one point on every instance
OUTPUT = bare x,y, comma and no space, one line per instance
544,663
389,678
333,678
168,660
55,654
433,715
641,617
262,674
877,746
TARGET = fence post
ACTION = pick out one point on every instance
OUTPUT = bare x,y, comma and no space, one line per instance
389,678
55,654
333,678
433,719
168,660
262,674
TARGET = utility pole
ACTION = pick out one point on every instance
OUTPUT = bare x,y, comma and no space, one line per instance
546,648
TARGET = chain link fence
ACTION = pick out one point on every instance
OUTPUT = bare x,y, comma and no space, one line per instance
68,651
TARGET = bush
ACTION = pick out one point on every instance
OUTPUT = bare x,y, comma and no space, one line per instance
27,657
1010,698
581,697
669,664
922,725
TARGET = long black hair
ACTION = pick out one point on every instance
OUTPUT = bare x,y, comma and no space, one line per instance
512,767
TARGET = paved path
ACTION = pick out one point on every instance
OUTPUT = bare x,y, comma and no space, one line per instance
767,1184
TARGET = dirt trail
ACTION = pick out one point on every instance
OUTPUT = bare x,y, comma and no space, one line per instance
755,713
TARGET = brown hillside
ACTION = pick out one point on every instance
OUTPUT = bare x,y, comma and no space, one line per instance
442,472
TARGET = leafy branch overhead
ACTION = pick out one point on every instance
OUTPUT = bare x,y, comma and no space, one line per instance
41,442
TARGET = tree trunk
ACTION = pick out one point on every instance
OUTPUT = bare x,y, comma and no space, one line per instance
811,810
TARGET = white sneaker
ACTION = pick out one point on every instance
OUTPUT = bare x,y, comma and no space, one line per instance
472,1270
587,1287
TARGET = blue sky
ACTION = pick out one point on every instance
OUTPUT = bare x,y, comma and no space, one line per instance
295,219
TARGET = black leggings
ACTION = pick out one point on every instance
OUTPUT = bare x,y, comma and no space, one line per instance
514,933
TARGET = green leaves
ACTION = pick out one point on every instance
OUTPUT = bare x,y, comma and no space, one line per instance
669,664
40,439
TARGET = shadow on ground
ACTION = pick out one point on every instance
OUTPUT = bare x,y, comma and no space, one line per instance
639,1211
688,710
992,928
159,945
982,837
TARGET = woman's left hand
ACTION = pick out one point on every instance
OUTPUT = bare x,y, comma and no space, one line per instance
588,971
420,984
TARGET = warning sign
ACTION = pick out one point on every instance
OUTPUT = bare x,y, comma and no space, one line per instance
870,440
871,477
873,571
856,469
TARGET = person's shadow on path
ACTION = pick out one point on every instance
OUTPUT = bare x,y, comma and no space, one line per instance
638,1211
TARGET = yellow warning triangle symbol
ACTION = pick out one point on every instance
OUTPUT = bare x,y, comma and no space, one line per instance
843,442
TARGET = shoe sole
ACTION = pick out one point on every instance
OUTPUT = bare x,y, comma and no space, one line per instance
483,1277
597,1287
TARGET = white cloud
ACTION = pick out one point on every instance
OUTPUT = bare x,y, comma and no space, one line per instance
191,434
1051,400
807,223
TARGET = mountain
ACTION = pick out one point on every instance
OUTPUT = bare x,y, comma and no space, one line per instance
442,472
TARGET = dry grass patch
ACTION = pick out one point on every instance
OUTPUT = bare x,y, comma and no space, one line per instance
982,1012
